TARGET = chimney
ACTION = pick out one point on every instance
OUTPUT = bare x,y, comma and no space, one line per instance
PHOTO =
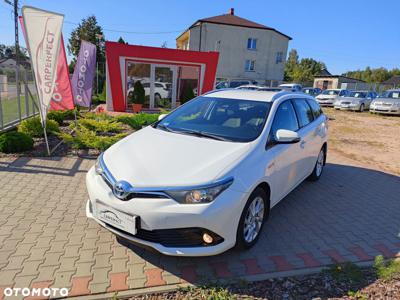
232,11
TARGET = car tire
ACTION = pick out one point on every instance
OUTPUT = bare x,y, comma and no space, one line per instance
319,166
257,197
362,107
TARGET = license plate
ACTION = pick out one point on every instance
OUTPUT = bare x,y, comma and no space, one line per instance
116,218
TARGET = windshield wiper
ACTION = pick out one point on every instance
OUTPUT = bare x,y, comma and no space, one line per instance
203,134
192,132
164,127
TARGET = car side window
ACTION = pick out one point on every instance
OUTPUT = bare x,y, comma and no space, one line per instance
316,109
303,111
285,118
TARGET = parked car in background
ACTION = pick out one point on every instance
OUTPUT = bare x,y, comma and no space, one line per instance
270,89
387,103
234,84
248,150
248,87
291,87
355,100
259,88
328,97
311,91
162,90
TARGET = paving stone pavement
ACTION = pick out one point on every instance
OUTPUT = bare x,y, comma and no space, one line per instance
351,214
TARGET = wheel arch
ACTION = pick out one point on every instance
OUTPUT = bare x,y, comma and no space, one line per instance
267,189
325,147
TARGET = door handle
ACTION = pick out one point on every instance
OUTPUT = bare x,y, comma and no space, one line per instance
302,143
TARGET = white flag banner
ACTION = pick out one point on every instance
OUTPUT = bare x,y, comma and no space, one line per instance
43,35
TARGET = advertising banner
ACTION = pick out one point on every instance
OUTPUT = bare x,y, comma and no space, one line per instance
62,98
82,80
43,35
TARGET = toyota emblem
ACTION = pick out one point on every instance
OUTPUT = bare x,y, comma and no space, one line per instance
122,189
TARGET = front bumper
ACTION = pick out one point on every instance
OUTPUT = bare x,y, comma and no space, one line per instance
347,107
159,214
327,102
390,110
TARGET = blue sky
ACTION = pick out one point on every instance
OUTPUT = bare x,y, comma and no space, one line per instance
346,35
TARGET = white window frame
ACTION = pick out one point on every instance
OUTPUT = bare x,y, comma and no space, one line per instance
250,65
253,44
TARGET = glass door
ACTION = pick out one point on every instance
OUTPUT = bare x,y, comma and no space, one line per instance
163,87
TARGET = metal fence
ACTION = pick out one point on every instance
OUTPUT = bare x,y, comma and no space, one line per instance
16,103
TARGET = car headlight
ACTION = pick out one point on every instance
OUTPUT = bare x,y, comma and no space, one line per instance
98,166
198,195
396,104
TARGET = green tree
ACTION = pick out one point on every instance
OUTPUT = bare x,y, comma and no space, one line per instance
375,75
306,69
292,61
89,30
121,40
187,93
138,94
9,52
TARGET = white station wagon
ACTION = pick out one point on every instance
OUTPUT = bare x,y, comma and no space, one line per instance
204,177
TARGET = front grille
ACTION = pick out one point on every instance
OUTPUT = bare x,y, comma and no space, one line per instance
345,102
387,104
138,195
179,237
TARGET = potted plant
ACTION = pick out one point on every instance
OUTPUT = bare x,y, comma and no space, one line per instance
137,97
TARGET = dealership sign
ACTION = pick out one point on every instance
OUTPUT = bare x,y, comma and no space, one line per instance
62,95
43,35
82,80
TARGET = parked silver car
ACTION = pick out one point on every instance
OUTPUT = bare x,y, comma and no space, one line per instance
387,103
355,100
328,97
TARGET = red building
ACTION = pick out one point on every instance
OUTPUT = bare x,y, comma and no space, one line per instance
167,75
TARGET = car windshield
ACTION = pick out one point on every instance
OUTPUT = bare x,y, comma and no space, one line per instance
330,92
218,118
390,94
358,94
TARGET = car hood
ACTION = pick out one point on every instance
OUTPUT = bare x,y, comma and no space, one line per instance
386,100
350,99
155,158
326,97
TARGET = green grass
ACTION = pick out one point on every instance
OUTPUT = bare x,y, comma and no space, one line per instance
346,272
10,109
387,270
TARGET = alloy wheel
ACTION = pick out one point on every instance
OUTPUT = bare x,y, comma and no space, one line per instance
254,219
320,163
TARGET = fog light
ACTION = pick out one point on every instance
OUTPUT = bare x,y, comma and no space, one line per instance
207,238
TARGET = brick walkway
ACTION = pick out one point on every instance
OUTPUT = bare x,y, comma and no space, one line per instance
351,214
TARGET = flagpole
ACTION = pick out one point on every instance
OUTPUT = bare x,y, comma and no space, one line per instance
47,141
45,131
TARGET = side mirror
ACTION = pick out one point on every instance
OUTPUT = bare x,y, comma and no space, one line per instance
160,117
284,136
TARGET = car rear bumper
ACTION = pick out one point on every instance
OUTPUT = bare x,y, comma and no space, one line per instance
219,218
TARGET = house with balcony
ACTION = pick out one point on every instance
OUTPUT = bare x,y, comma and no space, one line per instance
247,50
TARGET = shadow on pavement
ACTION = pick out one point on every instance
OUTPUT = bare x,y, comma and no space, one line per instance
63,166
350,214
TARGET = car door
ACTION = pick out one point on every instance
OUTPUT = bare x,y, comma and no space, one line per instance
307,133
285,157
